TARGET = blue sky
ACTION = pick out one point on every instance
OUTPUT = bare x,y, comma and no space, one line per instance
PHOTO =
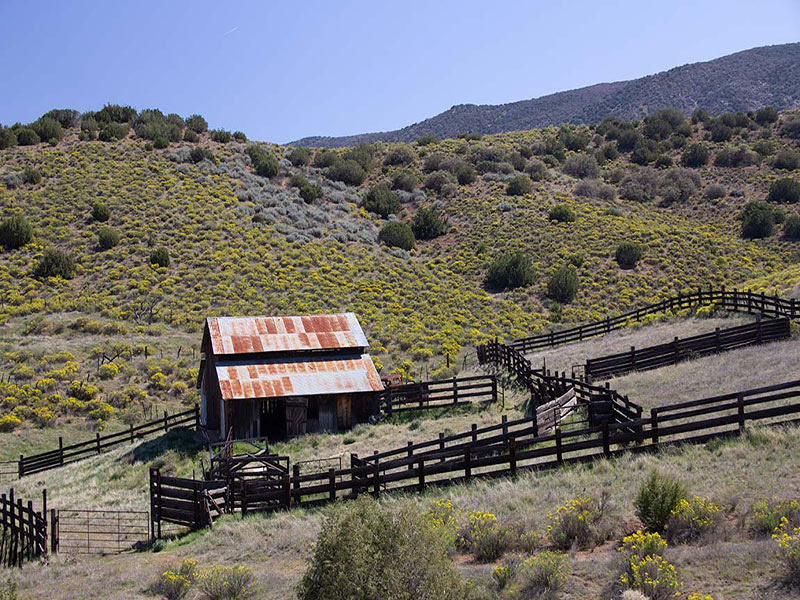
283,70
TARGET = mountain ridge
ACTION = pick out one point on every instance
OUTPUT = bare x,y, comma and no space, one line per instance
746,80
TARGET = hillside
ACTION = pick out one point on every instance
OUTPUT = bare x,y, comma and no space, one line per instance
747,80
260,229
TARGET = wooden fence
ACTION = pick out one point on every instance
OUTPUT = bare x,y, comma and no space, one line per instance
189,502
507,454
68,454
457,391
653,357
24,530
733,300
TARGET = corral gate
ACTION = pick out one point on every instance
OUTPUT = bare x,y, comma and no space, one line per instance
79,531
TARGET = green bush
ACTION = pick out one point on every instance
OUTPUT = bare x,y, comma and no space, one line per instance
239,136
113,131
267,167
715,191
540,576
766,115
325,158
789,128
400,155
66,117
786,190
510,270
628,254
48,128
791,227
582,166
8,139
563,284
196,123
100,212
537,170
363,154
15,232
160,257
107,238
115,113
758,220
787,160
574,524
645,152
695,156
347,171
405,181
199,154
369,552
465,174
310,192
55,263
720,132
299,156
735,157
429,223
521,185
190,136
226,583
31,175
656,499
397,235
221,136
27,136
381,200
426,140
561,213
767,515
437,180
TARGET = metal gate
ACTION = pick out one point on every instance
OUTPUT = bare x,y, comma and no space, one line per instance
80,531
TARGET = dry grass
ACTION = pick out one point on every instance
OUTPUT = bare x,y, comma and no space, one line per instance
563,358
765,463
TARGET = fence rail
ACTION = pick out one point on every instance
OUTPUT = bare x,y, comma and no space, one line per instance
733,300
24,530
65,455
652,357
81,531
457,391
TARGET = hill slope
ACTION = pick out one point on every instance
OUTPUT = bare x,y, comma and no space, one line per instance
748,80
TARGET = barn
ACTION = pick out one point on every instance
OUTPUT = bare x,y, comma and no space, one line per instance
280,377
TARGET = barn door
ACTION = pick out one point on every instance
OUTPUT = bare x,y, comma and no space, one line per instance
296,411
343,406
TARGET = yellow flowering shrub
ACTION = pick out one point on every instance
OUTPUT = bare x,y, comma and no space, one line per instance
481,534
174,584
691,519
573,523
769,514
9,422
226,583
788,540
653,576
542,575
108,371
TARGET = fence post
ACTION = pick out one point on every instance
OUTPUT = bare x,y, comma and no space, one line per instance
97,438
494,389
166,424
654,424
376,482
332,483
606,441
474,429
410,453
441,444
44,517
535,423
512,456
467,463
21,467
559,457
296,481
53,531
633,357
421,473
504,421
131,433
455,391
196,416
740,410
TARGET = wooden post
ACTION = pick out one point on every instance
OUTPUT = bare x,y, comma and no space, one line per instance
740,410
474,429
410,453
534,423
131,433
455,391
716,339
494,390
559,457
296,482
166,425
467,463
606,441
654,424
504,422
441,444
21,467
512,456
54,531
633,357
332,484
677,351
421,474
97,438
376,481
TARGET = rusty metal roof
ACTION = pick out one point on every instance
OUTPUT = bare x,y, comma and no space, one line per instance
245,335
305,376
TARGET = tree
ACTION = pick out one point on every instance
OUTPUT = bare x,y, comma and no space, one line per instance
766,115
581,166
397,235
199,154
628,254
113,131
789,128
8,139
429,223
521,185
160,257
27,136
437,180
563,284
221,136
48,129
786,190
381,201
196,123
404,180
55,263
31,175
15,232
66,117
510,270
347,171
299,157
695,156
426,140
791,227
787,160
758,220
100,212
400,155
366,551
720,132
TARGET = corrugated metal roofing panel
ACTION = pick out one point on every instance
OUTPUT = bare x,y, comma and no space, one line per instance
306,376
245,335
